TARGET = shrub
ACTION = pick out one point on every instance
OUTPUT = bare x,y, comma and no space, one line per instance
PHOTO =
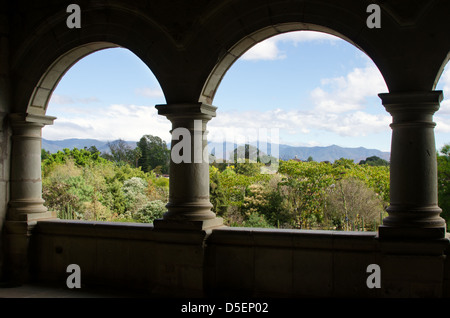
151,211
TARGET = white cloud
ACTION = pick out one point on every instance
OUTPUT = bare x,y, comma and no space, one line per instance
128,122
352,124
442,124
348,93
61,100
67,100
265,50
338,107
444,83
268,49
307,36
150,92
442,117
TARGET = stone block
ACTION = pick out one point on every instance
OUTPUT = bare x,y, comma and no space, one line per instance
273,271
179,266
109,266
233,269
412,275
142,264
350,274
312,273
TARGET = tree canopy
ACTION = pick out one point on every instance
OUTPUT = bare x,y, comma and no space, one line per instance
154,154
374,161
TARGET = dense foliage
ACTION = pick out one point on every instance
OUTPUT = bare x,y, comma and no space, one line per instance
303,195
84,184
87,185
154,154
80,184
443,165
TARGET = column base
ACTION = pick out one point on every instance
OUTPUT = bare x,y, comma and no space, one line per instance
34,217
28,210
413,223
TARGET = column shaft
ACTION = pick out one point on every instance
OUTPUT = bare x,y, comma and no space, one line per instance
26,203
413,210
189,167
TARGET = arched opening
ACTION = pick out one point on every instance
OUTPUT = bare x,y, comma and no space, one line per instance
235,52
318,93
97,164
43,90
442,119
442,116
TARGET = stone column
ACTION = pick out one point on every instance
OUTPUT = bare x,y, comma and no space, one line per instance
181,233
26,205
413,211
189,203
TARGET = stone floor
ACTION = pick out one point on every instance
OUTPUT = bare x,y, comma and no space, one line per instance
57,301
41,291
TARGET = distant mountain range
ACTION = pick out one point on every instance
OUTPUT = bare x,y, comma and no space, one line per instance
286,152
55,145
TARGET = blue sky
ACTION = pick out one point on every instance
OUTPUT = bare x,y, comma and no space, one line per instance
312,88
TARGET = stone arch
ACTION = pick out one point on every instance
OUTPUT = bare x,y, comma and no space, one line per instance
235,52
441,70
44,56
50,79
227,27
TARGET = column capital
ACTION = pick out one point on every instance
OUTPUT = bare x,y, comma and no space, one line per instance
426,102
187,111
19,118
434,96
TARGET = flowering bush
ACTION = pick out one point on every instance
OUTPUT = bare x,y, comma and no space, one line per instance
151,211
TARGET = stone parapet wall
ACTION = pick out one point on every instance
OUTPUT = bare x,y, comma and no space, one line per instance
245,262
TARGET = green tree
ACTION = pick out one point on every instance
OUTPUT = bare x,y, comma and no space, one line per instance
93,150
80,184
248,168
154,153
122,153
374,161
216,192
45,154
246,153
443,166
306,185
81,157
351,205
